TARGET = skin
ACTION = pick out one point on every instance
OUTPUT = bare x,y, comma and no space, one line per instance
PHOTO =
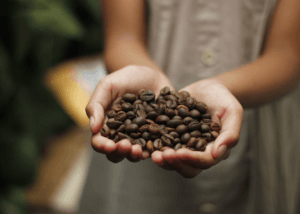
274,74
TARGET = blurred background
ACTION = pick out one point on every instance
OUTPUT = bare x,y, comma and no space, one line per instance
50,63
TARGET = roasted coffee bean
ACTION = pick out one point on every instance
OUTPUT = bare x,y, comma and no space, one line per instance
182,112
144,128
105,131
111,113
207,136
145,104
152,115
116,138
141,113
207,120
177,146
146,136
122,101
160,97
192,149
174,123
214,134
170,97
165,148
124,136
135,108
161,102
147,96
161,126
201,107
215,126
183,146
141,107
155,106
162,119
139,121
135,135
112,133
206,116
171,104
120,116
187,120
174,134
129,97
113,124
153,129
117,108
205,128
182,106
167,140
176,118
138,102
195,113
150,147
195,134
157,144
181,100
153,137
127,122
177,140
181,129
148,109
190,102
185,94
201,144
194,125
163,131
176,112
149,121
165,91
121,128
185,138
161,109
176,94
131,128
127,107
192,142
169,129
130,115
170,112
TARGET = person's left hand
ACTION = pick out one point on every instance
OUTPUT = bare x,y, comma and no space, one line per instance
224,109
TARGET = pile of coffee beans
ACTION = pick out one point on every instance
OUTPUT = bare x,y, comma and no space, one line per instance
172,120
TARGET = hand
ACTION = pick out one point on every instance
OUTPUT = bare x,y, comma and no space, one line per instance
224,109
109,92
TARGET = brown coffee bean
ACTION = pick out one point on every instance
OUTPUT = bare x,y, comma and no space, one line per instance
215,126
201,144
117,108
142,106
113,124
138,102
187,120
170,97
176,118
135,135
170,112
192,149
105,131
182,106
205,128
214,134
183,146
206,116
127,107
130,115
190,102
201,107
153,129
160,97
162,119
185,94
161,126
176,141
181,100
124,136
165,148
195,134
150,146
167,139
163,131
165,91
162,102
161,109
182,112
154,106
139,121
185,138
206,120
176,112
192,142
174,134
194,125
169,129
111,113
127,122
148,121
121,128
120,116
116,139
141,113
171,104
142,143
157,144
135,108
174,123
148,109
153,137
147,95
129,97
207,136
144,128
131,128
152,115
181,129
112,133
195,113
146,136
176,94
122,101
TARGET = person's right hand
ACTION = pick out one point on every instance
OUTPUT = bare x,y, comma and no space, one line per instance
109,92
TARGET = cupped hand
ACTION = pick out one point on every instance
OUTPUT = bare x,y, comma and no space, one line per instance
108,93
224,109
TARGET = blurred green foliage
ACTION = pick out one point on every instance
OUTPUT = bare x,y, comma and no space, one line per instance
36,35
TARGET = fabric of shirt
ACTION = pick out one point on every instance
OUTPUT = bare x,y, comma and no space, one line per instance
193,40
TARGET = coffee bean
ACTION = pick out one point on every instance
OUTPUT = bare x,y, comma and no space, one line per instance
214,134
177,140
176,94
192,142
153,137
187,120
112,133
130,115
146,136
155,107
160,97
131,128
138,101
201,107
111,113
207,136
141,113
194,125
183,146
153,129
170,112
150,146
116,139
170,97
141,106
147,95
181,129
181,100
142,143
144,128
129,97
185,94
148,121
165,148
161,126
117,108
206,120
206,116
201,144
205,128
124,136
148,109
185,138
171,104
121,128
177,146
162,102
190,102
215,126
174,134
161,109
176,118
182,106
120,116
113,124
139,121
169,129
165,91
195,134
195,113
157,144
163,131
174,123
162,119
152,115
167,139
127,122
105,131
192,149
127,107
135,135
182,112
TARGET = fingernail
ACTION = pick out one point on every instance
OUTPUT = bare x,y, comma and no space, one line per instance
92,121
221,150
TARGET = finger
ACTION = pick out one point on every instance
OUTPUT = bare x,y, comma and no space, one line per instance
135,154
99,102
103,144
158,159
231,121
122,150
